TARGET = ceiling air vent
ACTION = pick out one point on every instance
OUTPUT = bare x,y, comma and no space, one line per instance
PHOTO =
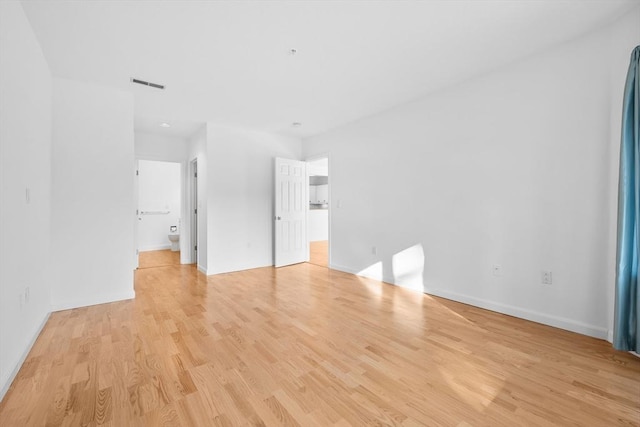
142,82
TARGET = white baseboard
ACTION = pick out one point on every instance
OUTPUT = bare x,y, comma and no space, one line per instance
348,270
238,268
201,269
85,302
6,382
523,313
155,248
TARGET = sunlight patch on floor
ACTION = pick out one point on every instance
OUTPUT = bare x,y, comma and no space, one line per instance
464,382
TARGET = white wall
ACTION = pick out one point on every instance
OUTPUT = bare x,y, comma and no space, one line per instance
159,191
25,154
92,195
318,225
240,196
160,147
511,168
197,149
318,167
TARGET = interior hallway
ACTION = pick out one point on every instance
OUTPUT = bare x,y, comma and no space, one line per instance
305,345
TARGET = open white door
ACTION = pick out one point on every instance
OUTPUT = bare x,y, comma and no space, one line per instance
290,220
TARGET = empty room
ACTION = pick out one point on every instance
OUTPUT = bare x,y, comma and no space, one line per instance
319,213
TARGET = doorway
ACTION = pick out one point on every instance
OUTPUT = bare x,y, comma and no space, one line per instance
159,228
319,211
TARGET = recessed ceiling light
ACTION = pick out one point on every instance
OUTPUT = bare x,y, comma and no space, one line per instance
296,124
165,125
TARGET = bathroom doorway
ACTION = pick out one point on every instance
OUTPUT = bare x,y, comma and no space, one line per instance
319,209
159,213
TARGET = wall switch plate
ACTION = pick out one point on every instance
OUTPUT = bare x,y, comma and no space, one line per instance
547,277
374,250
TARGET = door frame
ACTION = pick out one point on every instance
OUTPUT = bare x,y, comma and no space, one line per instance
326,155
193,210
184,203
136,218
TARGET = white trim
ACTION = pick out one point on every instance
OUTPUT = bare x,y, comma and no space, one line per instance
6,383
85,302
245,268
201,269
185,233
522,313
349,270
610,336
345,269
159,158
155,247
190,255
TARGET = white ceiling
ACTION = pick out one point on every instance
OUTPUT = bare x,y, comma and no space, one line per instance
229,62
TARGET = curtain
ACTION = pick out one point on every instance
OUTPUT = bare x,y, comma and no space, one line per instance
626,331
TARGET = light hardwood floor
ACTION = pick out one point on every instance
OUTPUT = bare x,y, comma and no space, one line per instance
319,253
163,258
306,345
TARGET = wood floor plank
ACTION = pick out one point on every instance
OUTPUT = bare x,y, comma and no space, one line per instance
151,259
319,253
305,345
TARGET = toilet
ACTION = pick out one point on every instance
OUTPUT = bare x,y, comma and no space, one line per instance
174,237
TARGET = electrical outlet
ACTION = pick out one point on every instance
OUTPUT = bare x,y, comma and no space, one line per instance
547,277
497,270
374,250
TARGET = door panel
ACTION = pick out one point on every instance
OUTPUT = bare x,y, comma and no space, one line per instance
290,221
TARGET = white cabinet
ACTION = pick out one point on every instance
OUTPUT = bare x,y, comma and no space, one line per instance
319,194
313,192
322,193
